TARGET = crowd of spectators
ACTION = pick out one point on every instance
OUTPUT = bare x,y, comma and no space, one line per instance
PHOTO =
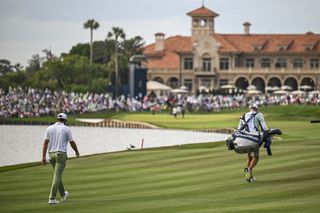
18,102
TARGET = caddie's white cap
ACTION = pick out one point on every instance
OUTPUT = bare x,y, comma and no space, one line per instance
253,105
62,116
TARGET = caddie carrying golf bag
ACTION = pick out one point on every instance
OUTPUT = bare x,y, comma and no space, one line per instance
242,141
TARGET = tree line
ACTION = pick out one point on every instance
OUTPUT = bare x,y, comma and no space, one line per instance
91,66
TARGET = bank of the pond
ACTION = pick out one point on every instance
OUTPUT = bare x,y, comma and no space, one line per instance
23,144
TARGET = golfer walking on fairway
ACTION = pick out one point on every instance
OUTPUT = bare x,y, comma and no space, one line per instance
253,122
56,140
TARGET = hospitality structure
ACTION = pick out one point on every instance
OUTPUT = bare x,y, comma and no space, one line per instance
211,60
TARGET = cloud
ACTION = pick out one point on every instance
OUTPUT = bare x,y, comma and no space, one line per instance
148,27
24,37
27,27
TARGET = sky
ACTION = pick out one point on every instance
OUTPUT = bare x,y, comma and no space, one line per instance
29,26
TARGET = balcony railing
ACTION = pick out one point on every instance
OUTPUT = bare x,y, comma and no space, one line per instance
199,71
241,70
272,70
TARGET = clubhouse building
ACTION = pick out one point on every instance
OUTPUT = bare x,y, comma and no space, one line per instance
211,60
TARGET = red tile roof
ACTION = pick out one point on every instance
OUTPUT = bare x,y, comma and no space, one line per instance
169,57
202,11
231,43
244,43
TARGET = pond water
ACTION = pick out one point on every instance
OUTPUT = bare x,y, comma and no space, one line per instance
23,144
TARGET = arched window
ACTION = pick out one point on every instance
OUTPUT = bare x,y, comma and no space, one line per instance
203,22
242,83
307,82
173,82
274,82
206,63
259,83
159,79
195,22
292,82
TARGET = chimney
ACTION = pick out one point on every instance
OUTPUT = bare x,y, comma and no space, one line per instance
159,45
246,28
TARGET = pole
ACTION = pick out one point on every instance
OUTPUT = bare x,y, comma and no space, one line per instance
91,44
116,70
180,71
142,143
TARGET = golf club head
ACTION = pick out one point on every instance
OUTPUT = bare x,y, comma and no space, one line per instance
275,132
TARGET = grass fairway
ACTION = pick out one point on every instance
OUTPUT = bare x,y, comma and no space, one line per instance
191,178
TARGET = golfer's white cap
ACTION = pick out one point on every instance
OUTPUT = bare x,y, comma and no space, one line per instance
253,105
62,116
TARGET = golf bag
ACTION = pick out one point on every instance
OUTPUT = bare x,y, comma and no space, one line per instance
242,141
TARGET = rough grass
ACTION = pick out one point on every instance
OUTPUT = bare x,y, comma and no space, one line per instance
191,178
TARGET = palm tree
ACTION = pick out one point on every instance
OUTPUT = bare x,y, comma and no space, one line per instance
92,25
133,46
116,34
130,47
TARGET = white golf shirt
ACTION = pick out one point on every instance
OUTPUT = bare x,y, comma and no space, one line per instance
254,124
58,135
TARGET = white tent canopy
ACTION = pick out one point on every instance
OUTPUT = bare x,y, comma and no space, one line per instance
314,92
158,88
228,86
155,85
275,88
179,91
251,87
286,87
298,92
280,92
269,88
184,88
253,92
305,87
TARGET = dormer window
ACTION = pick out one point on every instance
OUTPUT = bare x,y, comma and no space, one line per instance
259,45
284,45
282,48
257,48
307,48
310,45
